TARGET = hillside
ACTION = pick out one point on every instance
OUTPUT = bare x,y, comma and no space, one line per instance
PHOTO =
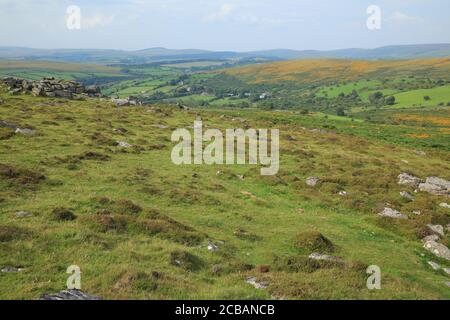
91,184
311,71
103,56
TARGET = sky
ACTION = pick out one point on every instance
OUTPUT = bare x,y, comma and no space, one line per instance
235,25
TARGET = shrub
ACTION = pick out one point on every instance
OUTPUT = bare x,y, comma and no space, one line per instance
314,241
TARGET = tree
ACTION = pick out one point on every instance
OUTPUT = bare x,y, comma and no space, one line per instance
390,101
376,98
340,112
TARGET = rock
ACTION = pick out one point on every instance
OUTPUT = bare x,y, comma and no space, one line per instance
343,193
69,295
120,130
433,237
438,229
23,214
417,212
445,205
446,270
406,195
50,87
312,181
447,283
409,180
391,213
255,283
240,176
434,265
437,249
436,186
26,132
11,270
212,246
325,257
420,153
160,126
123,144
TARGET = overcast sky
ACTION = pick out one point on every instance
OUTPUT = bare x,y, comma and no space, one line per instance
239,25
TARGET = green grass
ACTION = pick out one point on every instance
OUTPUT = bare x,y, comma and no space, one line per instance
415,98
127,253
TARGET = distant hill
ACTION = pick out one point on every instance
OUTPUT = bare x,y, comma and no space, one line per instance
310,71
161,54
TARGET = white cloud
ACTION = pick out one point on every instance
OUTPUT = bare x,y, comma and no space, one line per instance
222,14
398,16
97,20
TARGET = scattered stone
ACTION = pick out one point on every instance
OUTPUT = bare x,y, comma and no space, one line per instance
420,153
69,295
436,186
343,193
406,195
212,246
437,249
160,126
438,229
123,144
23,214
434,265
25,132
256,284
409,180
444,205
11,270
312,181
324,257
391,213
417,212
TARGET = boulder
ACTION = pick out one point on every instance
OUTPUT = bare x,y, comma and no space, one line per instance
436,186
23,214
258,285
445,205
25,132
437,229
312,181
409,180
437,249
434,265
392,213
406,195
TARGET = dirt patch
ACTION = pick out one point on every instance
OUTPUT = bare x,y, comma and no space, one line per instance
20,176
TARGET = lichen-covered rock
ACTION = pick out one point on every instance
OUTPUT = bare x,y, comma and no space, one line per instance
392,213
436,186
437,249
409,180
312,181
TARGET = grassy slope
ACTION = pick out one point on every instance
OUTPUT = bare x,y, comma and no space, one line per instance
135,263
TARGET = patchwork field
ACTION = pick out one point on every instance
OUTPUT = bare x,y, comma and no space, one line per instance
95,187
